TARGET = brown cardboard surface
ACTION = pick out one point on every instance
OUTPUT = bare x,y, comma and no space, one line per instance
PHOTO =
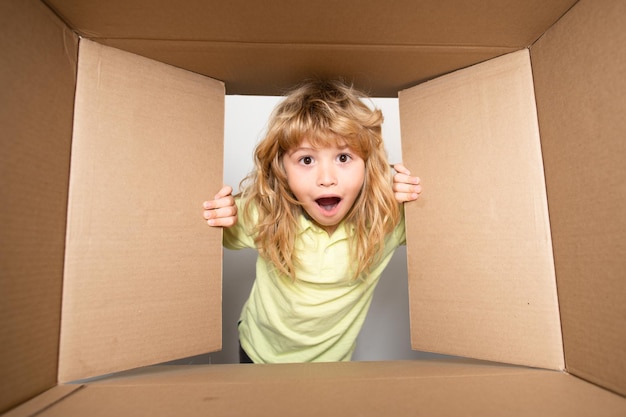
405,22
142,271
481,275
233,374
141,274
379,70
263,48
580,74
358,388
43,401
37,77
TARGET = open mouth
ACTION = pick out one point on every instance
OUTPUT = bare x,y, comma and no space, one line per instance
328,203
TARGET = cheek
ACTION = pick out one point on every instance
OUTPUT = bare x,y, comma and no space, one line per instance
359,177
295,184
355,183
289,175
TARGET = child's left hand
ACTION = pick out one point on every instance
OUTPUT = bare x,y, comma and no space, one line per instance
405,187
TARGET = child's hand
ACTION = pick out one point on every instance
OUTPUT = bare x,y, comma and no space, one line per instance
221,211
405,187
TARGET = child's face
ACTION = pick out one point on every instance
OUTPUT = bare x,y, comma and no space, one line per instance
325,180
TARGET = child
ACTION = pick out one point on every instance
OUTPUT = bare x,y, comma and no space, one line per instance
324,214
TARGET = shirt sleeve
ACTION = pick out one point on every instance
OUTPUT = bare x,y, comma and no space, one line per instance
238,236
399,233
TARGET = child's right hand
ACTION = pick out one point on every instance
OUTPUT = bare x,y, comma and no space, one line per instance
405,187
221,211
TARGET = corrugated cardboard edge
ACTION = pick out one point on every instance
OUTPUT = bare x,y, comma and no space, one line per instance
579,68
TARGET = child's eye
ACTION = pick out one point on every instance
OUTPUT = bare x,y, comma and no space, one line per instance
306,160
344,157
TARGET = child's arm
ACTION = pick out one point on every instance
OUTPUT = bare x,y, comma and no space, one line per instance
221,211
405,187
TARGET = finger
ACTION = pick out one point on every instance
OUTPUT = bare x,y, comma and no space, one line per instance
407,192
400,168
223,222
219,203
223,192
408,195
407,183
407,188
405,197
222,212
405,179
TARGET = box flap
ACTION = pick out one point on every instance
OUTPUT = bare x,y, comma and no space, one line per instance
142,269
271,69
266,47
47,399
313,371
37,79
506,23
346,389
580,75
481,272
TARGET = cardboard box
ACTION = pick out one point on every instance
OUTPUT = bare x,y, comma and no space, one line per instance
112,132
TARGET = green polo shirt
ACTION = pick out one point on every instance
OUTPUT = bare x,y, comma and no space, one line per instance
318,316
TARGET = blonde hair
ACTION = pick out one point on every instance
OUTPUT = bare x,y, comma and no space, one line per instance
325,112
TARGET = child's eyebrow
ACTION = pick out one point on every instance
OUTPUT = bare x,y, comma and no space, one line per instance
301,149
341,148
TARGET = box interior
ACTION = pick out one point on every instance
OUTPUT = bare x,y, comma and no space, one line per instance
577,68
263,48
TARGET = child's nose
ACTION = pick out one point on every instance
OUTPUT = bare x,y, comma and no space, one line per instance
326,176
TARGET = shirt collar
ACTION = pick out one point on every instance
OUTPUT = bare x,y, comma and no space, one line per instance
309,226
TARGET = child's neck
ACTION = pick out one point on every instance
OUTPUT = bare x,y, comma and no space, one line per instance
328,229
